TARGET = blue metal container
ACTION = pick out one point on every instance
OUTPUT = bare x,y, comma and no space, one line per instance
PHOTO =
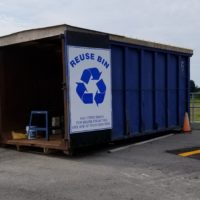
113,87
150,86
150,89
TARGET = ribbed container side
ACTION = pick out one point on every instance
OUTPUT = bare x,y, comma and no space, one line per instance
118,101
149,88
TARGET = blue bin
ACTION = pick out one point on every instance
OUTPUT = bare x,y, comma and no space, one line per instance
32,132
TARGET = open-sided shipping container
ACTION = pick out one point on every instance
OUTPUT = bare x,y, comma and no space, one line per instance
105,87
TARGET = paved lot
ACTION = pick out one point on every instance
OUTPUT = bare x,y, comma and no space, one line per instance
143,172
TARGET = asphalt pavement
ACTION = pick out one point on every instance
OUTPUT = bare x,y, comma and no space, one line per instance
147,171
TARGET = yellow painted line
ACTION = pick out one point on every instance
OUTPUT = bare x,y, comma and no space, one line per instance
190,153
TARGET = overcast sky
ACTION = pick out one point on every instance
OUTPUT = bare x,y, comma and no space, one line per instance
174,22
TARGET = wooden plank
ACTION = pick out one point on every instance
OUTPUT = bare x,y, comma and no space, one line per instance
1,88
54,144
65,90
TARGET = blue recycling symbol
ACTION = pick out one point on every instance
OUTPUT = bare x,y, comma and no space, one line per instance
91,74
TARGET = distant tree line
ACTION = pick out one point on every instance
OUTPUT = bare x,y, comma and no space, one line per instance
194,87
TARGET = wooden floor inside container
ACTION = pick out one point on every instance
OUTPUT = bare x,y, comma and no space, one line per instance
56,144
52,143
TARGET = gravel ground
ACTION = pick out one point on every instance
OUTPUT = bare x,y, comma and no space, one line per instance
143,172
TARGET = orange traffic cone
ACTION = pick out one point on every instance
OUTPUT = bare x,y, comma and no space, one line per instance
186,124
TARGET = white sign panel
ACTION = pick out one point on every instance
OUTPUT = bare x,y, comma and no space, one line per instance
89,77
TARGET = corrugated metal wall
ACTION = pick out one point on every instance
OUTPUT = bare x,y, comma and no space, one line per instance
150,90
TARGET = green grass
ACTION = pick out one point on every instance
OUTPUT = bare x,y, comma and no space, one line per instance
195,100
195,112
